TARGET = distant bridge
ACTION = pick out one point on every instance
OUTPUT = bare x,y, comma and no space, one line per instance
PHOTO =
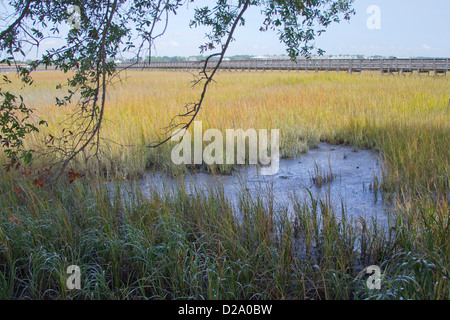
430,66
400,66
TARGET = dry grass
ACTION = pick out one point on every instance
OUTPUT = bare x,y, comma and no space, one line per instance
407,118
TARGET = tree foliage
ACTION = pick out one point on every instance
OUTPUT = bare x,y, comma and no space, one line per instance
105,30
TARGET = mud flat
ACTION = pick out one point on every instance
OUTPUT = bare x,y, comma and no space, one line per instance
339,175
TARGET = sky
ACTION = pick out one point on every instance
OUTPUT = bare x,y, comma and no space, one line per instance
401,28
407,28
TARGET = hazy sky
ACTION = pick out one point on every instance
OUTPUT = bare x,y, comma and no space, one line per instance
408,28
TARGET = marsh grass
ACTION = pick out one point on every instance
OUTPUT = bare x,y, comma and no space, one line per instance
321,176
180,245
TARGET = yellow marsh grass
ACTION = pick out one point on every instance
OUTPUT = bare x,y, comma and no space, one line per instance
405,117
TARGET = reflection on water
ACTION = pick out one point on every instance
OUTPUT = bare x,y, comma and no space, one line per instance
353,174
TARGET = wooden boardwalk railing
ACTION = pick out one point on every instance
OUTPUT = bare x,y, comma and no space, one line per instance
435,66
430,66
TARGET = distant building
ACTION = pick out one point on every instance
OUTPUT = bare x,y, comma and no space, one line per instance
270,57
260,58
344,57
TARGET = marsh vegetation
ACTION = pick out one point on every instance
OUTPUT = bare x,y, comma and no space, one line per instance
187,244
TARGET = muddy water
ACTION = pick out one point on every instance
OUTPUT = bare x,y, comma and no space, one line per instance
353,172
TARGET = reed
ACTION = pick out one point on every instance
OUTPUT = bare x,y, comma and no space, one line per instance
181,245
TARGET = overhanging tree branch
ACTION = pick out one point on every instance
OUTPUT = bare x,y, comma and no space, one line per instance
193,111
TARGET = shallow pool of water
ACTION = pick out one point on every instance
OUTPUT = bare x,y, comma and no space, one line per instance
353,172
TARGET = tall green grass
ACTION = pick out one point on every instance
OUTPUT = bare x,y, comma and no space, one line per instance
198,246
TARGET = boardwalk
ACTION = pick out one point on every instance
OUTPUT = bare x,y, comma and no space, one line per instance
433,66
430,66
